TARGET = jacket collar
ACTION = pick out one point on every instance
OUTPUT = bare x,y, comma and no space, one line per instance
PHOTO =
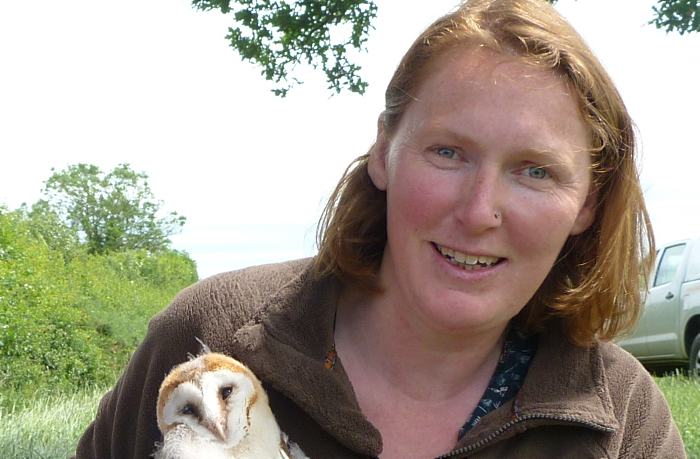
292,336
567,381
565,384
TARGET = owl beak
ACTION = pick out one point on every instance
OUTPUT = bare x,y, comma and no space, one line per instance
217,429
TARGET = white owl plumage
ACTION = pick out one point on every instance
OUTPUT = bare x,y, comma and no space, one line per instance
214,407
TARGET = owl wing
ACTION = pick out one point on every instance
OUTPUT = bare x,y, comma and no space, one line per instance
290,450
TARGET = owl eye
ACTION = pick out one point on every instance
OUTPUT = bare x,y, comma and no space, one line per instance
226,392
189,410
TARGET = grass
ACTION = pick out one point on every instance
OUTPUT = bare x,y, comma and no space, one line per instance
51,426
683,396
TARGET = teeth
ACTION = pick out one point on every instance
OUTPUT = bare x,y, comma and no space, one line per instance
468,262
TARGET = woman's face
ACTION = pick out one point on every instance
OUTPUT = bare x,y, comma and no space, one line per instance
486,176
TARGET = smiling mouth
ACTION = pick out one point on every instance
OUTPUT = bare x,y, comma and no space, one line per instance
466,261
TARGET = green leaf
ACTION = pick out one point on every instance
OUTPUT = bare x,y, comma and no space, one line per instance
280,35
111,212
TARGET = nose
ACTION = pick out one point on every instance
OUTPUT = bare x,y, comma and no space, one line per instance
482,199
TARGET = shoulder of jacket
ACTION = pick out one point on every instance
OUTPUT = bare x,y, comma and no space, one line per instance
649,429
618,361
238,295
628,382
269,277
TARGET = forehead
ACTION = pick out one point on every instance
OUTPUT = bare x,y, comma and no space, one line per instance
484,68
474,88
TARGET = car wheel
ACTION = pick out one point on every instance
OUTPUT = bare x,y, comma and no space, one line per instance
694,362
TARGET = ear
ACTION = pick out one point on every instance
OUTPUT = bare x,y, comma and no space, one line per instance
586,215
376,167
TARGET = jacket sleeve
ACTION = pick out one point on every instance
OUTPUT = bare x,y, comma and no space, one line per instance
125,425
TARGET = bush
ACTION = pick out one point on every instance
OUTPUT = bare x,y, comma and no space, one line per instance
69,319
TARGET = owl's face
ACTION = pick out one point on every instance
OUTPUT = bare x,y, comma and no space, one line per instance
212,395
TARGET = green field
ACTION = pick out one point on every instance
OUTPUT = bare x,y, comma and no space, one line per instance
50,427
683,396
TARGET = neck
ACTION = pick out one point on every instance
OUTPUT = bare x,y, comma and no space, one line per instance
375,338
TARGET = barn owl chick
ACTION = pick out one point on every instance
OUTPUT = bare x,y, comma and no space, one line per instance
214,407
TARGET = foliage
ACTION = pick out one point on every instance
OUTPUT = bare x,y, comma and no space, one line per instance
46,226
682,16
113,212
278,35
69,318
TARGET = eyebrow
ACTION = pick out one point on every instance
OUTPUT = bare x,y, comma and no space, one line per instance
550,156
444,131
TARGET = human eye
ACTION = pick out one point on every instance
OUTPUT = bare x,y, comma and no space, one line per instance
448,153
537,172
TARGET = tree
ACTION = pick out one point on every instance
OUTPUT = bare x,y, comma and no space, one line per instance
682,16
46,226
278,35
112,212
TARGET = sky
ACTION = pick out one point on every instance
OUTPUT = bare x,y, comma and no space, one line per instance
153,83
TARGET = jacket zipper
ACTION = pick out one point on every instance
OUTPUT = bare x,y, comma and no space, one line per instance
510,424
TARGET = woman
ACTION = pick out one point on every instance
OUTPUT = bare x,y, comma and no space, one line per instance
472,269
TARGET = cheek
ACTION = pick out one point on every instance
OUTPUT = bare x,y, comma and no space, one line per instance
416,203
540,227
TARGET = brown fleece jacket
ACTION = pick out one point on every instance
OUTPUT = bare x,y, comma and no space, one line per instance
576,402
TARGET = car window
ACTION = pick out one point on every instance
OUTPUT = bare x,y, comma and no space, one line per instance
670,261
693,272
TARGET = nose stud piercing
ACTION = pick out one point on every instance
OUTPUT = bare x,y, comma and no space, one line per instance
497,215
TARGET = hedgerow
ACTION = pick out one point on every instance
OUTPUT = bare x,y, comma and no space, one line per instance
69,319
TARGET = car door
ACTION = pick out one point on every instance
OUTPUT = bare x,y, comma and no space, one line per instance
662,307
635,342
